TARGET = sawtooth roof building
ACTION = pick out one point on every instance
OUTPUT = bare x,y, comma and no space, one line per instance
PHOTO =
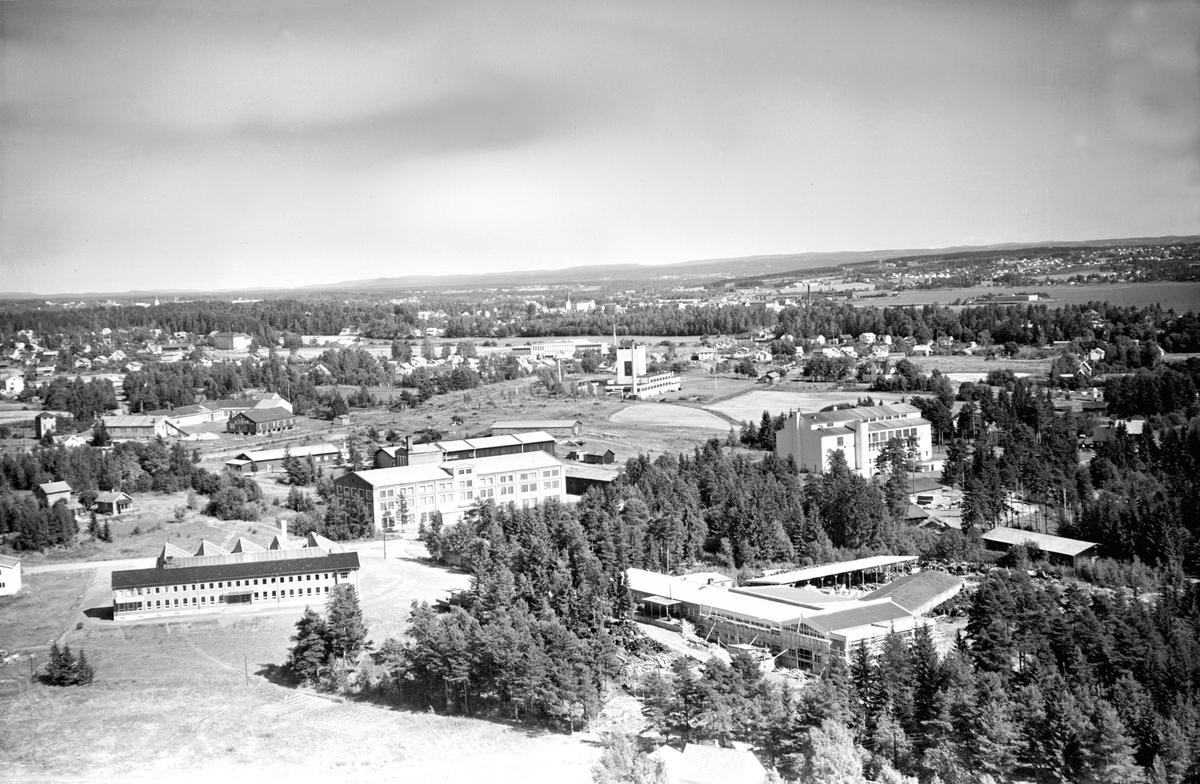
246,577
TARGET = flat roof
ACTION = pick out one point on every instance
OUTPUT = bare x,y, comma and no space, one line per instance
801,597
428,472
1059,545
712,596
591,471
534,424
141,578
829,570
862,614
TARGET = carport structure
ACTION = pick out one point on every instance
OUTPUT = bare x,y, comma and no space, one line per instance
881,566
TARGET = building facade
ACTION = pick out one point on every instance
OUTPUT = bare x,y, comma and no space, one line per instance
632,378
408,453
141,427
10,575
257,421
232,341
562,428
214,580
270,460
413,493
859,433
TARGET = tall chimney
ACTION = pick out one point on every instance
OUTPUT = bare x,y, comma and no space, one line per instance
283,523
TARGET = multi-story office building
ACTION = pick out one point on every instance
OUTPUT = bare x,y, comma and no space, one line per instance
860,433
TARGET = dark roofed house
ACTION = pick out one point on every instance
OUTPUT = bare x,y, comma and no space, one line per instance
607,457
112,503
256,421
52,492
563,428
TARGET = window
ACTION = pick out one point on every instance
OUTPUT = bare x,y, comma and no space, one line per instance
256,594
507,490
839,440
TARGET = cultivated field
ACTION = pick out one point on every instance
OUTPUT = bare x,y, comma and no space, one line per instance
980,366
668,415
1182,296
749,407
194,700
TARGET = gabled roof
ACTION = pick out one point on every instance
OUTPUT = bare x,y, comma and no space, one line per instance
54,487
1059,545
113,497
261,415
171,551
243,545
263,455
208,548
715,765
283,543
862,614
9,562
140,578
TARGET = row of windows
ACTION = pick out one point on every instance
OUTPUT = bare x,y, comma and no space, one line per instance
226,584
202,601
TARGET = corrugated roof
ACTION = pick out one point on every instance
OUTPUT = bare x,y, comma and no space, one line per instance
912,591
801,597
1059,545
141,578
862,413
829,570
862,614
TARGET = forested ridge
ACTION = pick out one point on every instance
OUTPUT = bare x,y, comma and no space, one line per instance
273,320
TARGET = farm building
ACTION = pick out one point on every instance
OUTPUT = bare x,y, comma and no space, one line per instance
269,460
463,449
141,427
215,580
1058,549
451,487
607,457
561,428
257,421
112,503
795,636
10,575
53,492
859,433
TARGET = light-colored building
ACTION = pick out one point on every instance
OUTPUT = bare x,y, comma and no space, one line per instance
795,634
269,460
215,580
408,453
698,764
12,383
141,427
563,428
232,341
10,575
452,487
859,433
560,349
53,492
632,379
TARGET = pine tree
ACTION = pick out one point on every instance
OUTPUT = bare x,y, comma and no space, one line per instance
1108,751
84,674
345,632
310,654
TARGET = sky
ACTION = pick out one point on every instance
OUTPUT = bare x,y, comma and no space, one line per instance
228,145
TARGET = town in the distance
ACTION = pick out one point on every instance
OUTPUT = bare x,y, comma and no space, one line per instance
920,518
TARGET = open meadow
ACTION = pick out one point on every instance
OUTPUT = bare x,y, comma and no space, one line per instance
196,699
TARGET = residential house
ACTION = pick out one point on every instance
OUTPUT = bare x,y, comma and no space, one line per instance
44,424
53,492
12,383
112,503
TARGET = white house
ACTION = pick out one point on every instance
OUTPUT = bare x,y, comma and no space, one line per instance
10,575
859,433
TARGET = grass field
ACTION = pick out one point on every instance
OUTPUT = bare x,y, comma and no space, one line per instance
192,700
749,407
668,415
42,609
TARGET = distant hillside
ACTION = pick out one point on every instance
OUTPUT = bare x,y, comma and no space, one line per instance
687,272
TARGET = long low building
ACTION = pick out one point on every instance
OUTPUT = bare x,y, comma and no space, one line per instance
413,493
213,580
876,565
269,460
795,635
408,453
1058,549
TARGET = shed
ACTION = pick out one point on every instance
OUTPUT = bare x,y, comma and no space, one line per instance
1059,549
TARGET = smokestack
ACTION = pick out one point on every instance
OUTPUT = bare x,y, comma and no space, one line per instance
283,523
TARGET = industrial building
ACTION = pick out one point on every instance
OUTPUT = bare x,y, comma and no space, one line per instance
269,460
451,487
563,428
795,635
213,579
859,433
408,453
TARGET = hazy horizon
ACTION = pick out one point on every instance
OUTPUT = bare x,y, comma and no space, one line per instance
220,145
